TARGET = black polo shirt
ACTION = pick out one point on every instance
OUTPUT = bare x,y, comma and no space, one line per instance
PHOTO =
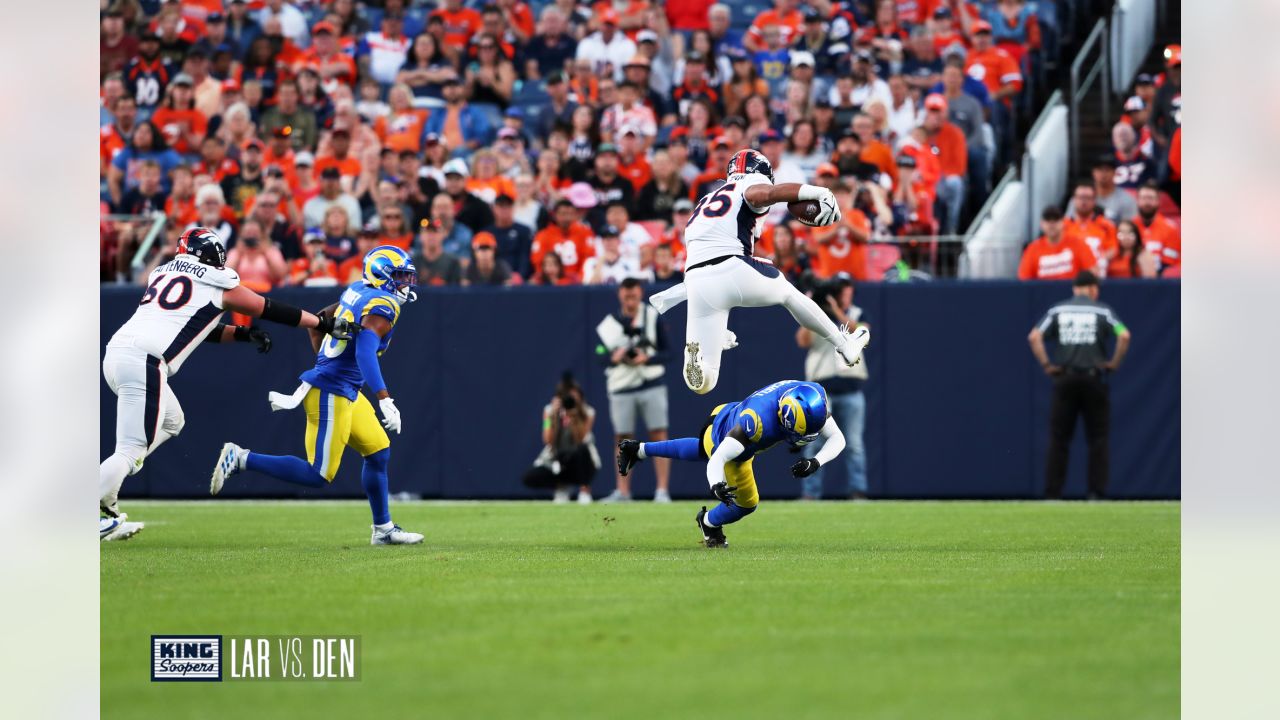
1080,328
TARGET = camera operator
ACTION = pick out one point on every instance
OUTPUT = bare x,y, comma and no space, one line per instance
568,454
842,383
633,347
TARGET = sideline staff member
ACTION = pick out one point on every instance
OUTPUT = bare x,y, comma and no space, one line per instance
1081,327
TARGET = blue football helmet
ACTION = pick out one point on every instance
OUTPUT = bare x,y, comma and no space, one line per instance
389,268
746,162
803,410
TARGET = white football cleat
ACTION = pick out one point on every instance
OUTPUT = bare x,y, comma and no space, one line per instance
561,497
662,496
230,462
584,498
395,536
117,528
854,344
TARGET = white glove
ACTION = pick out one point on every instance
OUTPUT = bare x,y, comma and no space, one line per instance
830,213
390,415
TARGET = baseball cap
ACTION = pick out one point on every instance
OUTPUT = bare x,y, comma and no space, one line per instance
313,235
609,231
215,17
864,56
848,133
604,148
981,26
515,112
609,16
683,205
253,144
811,14
304,159
695,56
456,166
735,53
581,196
1134,104
770,135
802,57
484,239
942,13
1144,79
555,77
1105,160
935,101
503,199
1172,55
324,26
507,132
230,85
369,230
646,35
330,173
906,160
431,139
822,103
720,141
828,169
183,79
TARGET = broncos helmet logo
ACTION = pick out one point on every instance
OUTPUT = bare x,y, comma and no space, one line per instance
746,162
389,268
204,245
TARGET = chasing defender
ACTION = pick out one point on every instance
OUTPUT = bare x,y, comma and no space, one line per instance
789,411
338,414
721,274
180,309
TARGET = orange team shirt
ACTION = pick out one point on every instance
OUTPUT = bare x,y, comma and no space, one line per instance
1161,238
183,212
573,247
994,67
1043,260
299,271
1097,232
459,25
522,18
672,239
170,121
312,59
705,177
928,169
791,25
284,162
109,143
401,131
953,154
404,242
225,168
638,172
349,167
352,269
842,254
497,185
880,155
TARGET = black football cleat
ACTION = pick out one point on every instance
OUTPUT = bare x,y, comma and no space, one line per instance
712,537
628,456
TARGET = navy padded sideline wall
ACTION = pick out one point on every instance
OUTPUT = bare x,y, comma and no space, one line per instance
956,405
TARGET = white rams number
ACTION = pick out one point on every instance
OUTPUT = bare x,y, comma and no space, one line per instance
332,346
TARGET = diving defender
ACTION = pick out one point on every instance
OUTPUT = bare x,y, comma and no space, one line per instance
338,414
180,308
789,411
721,273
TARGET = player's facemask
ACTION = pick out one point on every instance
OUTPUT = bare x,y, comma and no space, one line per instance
405,279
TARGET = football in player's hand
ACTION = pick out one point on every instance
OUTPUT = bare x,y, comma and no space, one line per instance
806,211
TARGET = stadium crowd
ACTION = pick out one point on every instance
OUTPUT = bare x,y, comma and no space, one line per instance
555,144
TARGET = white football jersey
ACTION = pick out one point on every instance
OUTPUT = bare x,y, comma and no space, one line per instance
723,222
182,302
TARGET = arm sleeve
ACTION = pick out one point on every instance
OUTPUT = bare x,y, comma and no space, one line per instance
367,359
215,335
729,449
833,442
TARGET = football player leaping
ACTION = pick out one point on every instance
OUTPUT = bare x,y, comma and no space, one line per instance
338,415
721,274
180,308
790,411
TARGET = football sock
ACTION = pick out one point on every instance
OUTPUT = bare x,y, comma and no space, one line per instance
724,514
374,479
111,475
640,453
285,467
807,313
680,449
384,527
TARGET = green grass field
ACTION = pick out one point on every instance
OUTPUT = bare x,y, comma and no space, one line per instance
818,610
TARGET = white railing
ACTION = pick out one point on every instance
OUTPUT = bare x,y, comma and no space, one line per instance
1133,30
994,243
1045,164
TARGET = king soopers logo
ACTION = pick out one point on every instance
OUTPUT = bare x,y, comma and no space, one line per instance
186,658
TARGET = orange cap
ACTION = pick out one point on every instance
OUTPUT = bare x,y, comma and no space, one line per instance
1172,55
935,102
484,238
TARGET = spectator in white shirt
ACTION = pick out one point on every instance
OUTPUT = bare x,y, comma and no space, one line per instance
382,54
607,49
902,111
293,24
610,266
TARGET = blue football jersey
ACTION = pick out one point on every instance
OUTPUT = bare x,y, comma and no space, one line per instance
336,368
758,418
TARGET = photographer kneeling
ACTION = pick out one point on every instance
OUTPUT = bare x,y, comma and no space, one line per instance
569,454
842,383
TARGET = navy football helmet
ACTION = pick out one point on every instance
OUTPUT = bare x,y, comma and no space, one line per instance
745,162
203,244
